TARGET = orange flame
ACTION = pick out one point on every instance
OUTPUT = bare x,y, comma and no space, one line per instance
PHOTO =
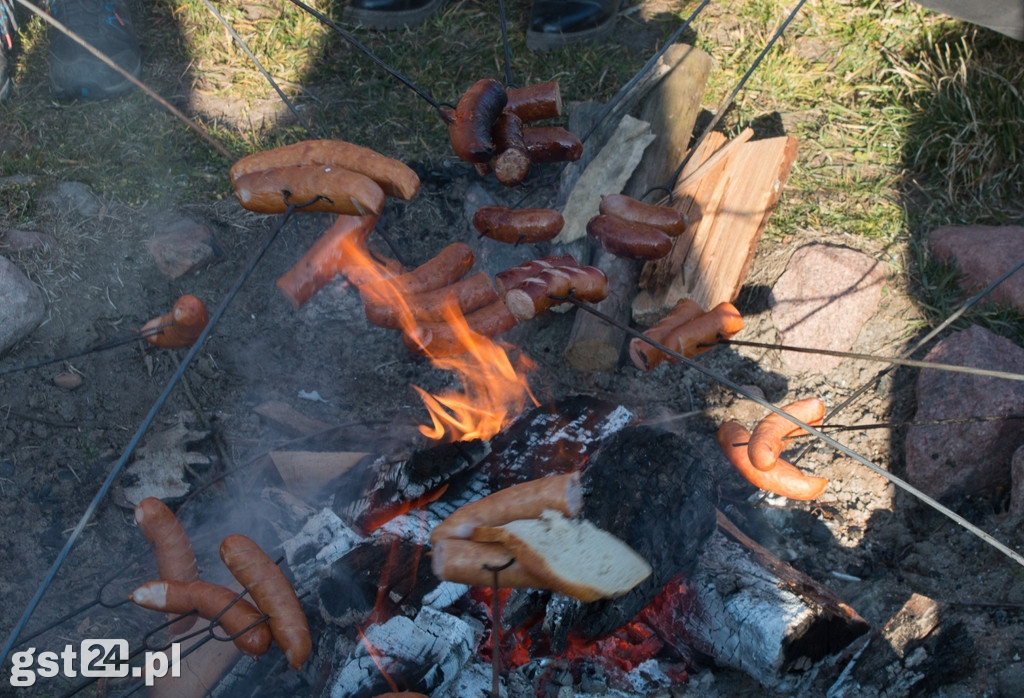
494,390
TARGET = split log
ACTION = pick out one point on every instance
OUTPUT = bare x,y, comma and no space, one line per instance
728,208
671,109
288,420
306,472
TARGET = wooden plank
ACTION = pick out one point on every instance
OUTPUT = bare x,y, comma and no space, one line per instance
671,109
306,472
728,209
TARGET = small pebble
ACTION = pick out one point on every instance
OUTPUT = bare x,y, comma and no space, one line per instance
68,381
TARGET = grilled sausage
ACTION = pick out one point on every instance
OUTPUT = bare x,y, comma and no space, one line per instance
784,479
471,293
511,162
179,328
542,100
689,338
438,339
175,559
516,225
322,188
641,352
766,440
668,220
629,239
474,117
552,144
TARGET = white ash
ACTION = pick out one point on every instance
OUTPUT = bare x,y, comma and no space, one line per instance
445,594
434,646
323,539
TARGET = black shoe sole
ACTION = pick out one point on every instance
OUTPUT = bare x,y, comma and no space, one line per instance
375,19
547,41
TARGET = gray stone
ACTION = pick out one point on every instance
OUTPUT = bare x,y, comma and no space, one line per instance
1017,489
973,458
18,240
982,254
21,305
822,300
181,246
76,197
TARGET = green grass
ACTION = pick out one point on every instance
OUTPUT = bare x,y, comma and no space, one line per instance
906,119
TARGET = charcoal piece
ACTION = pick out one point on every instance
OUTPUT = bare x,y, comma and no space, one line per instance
372,493
551,439
385,571
656,491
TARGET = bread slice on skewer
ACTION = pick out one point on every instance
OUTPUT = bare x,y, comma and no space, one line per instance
573,556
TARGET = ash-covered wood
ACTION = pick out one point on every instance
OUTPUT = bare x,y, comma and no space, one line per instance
370,494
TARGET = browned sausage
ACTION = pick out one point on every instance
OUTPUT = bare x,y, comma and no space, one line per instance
438,339
443,269
339,190
179,328
721,322
640,352
536,102
472,293
784,479
668,220
394,177
552,144
535,295
273,594
475,114
175,559
209,601
629,239
511,162
512,277
766,441
516,225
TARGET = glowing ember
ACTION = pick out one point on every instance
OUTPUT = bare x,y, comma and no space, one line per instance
494,390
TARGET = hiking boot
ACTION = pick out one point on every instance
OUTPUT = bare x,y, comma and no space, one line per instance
8,27
75,73
555,23
390,14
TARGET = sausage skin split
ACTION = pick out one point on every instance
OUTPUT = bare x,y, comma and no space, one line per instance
640,352
527,500
467,562
536,102
438,339
180,328
506,280
445,268
668,220
784,479
209,601
629,239
273,595
516,225
766,441
339,190
471,293
475,114
535,295
511,162
175,559
552,144
721,322
395,178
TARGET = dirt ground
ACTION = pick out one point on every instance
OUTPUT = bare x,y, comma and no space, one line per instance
875,547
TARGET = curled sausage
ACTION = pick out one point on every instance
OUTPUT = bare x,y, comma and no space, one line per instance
535,295
629,239
179,328
474,117
438,339
552,144
323,188
395,178
784,479
682,312
766,441
273,594
516,225
471,293
511,162
512,277
668,220
527,500
175,559
445,268
469,562
542,100
209,601
688,338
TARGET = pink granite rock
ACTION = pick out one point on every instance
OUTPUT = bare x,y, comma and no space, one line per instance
822,300
982,254
182,246
953,460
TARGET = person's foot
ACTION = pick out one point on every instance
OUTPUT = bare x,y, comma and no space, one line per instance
7,29
390,14
555,23
75,73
